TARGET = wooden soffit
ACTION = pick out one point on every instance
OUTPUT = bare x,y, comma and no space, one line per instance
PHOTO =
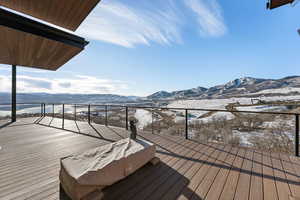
68,14
25,42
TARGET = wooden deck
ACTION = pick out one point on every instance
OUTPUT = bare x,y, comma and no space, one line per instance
30,152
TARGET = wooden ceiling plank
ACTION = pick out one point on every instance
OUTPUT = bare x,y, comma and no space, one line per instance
26,42
26,49
65,13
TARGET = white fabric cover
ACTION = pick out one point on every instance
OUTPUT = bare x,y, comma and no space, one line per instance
105,165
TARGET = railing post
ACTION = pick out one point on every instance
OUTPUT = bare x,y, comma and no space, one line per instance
186,124
42,109
52,110
297,136
126,118
63,116
106,122
75,112
152,120
89,114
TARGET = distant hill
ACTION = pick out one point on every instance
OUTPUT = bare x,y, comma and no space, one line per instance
195,92
246,86
68,98
241,87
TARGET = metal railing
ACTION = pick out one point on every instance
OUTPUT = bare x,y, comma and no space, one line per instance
126,108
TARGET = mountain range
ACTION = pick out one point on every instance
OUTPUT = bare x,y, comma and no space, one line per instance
241,87
246,86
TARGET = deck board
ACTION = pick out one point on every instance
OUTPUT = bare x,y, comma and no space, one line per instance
282,185
269,185
243,186
203,188
218,184
256,189
293,178
175,174
184,181
229,189
31,149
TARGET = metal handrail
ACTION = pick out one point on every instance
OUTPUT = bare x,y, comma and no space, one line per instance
126,107
163,108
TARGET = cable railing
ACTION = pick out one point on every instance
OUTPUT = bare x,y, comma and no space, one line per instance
275,131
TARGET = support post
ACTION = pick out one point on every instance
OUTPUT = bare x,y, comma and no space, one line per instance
42,105
126,118
75,112
152,120
89,114
44,109
14,93
297,136
52,110
63,116
106,120
186,125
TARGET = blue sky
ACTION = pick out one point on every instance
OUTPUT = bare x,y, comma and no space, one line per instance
140,47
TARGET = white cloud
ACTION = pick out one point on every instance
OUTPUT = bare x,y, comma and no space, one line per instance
75,85
129,23
142,22
118,23
209,17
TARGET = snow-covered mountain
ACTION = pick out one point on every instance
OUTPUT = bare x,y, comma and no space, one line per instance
194,92
246,86
160,95
241,87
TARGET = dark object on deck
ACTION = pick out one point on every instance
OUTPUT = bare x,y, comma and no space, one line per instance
277,3
155,160
133,129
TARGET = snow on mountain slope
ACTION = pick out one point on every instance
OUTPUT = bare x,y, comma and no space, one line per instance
246,86
220,104
284,90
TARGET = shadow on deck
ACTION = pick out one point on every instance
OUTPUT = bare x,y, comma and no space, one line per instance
31,148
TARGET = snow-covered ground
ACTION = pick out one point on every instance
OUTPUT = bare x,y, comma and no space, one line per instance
219,104
144,118
245,136
208,103
217,115
37,109
32,110
285,90
262,108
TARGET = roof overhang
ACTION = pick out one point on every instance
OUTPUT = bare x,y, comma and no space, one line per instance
277,3
26,42
68,14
